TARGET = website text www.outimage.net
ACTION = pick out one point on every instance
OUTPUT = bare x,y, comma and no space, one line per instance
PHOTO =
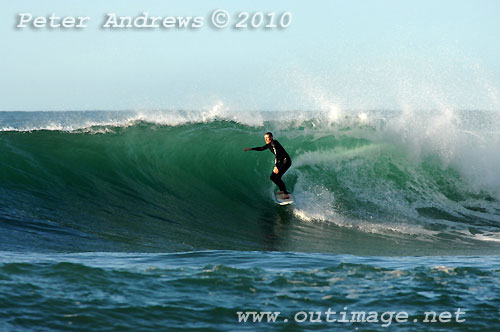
346,316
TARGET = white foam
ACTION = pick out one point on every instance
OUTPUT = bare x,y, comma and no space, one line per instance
315,202
446,134
78,121
484,236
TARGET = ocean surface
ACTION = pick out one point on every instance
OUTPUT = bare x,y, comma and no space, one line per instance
158,221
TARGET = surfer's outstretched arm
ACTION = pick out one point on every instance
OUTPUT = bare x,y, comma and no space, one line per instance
259,148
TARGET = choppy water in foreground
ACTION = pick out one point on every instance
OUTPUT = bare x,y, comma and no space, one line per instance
207,290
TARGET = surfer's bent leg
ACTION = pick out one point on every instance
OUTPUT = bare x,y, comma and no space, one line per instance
276,177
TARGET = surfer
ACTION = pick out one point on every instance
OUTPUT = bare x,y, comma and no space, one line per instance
282,161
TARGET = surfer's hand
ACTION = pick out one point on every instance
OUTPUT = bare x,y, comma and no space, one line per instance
246,149
275,170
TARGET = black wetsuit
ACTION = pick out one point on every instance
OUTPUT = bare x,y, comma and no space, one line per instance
282,161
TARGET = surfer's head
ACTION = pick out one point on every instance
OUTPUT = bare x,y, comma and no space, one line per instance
268,137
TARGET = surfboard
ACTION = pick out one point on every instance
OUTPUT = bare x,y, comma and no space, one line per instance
283,201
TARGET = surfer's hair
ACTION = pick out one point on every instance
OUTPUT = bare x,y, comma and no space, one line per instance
270,134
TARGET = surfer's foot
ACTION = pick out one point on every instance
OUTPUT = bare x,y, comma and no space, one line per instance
279,193
286,196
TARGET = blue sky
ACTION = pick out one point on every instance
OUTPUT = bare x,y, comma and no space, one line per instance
335,54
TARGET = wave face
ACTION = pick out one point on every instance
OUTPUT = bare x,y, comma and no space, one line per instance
395,183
